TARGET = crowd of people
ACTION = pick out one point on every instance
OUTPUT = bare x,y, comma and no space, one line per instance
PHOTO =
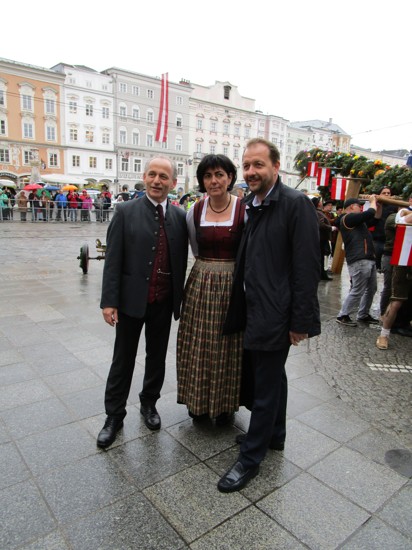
65,206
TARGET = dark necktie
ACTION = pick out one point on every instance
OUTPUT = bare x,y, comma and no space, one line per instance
159,209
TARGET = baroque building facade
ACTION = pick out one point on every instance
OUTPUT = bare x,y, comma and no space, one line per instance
30,121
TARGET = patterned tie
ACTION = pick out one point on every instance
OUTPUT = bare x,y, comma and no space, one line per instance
159,209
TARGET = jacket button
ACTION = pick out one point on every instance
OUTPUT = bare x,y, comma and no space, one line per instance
153,248
147,278
150,263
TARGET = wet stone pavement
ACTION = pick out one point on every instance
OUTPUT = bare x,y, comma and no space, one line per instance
343,481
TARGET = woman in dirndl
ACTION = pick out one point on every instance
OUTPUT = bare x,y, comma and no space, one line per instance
208,362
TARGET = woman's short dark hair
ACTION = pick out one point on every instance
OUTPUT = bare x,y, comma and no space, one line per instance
384,187
215,161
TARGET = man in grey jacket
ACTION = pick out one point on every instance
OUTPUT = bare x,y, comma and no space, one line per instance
143,278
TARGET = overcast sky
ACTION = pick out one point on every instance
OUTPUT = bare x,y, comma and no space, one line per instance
350,61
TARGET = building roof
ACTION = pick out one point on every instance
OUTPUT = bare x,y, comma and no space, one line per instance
319,125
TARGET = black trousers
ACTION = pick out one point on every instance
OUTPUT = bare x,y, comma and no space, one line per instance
268,417
157,321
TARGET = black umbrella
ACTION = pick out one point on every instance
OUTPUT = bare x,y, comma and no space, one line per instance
182,200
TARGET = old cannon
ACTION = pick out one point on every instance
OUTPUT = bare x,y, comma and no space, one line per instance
84,256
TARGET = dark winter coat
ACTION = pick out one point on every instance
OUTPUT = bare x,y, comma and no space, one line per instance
278,264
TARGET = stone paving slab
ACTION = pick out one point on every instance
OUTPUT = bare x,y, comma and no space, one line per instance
343,480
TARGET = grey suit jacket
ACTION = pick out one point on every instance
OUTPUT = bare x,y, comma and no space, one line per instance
131,248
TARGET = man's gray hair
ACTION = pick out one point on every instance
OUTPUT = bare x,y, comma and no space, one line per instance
172,164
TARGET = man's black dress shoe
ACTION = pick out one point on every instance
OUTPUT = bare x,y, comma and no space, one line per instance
108,433
151,417
224,419
236,478
274,445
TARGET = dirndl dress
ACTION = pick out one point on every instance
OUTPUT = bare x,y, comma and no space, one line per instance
209,363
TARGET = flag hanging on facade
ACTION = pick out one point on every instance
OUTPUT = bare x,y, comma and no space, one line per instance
312,169
323,177
162,123
402,246
338,189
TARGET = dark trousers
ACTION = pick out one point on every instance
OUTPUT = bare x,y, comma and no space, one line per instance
268,417
157,321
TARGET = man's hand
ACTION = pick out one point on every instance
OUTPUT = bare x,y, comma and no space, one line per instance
110,315
296,337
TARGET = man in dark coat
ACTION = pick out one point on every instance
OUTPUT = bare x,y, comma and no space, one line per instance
143,278
274,299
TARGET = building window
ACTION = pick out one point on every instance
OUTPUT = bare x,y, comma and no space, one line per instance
198,147
213,149
226,151
4,156
226,92
53,160
108,164
213,126
237,130
179,100
73,107
137,165
149,140
164,145
180,168
28,130
125,164
199,123
73,134
105,112
27,156
50,106
149,115
123,87
105,138
226,128
89,136
92,162
178,144
288,166
2,100
136,90
123,137
89,109
135,138
123,112
136,113
76,161
236,153
179,121
27,103
150,94
50,133
2,127
247,132
88,84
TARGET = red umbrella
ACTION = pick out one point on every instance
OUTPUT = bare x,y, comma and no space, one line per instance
32,187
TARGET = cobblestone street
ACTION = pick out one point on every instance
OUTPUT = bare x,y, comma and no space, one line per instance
343,480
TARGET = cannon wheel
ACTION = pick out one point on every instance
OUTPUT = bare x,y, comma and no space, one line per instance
84,257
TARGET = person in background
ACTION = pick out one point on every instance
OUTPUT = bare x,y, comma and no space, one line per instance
4,205
87,205
325,231
107,202
124,194
360,259
72,202
274,300
61,205
22,201
143,278
208,362
401,288
378,231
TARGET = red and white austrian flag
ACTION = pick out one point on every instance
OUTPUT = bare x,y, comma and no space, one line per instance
338,190
402,247
312,169
323,177
162,123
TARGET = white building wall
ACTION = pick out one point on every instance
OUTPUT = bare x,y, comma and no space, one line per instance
88,114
